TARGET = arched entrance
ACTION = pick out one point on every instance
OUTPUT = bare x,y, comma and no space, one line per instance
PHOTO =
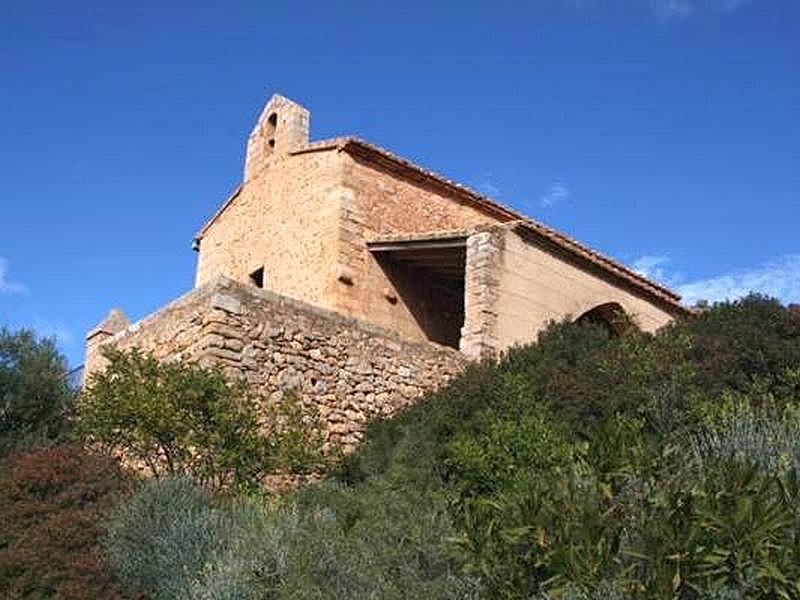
610,315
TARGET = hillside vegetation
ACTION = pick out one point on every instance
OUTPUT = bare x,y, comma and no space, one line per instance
583,466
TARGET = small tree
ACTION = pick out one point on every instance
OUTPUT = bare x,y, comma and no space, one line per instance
52,502
35,397
180,418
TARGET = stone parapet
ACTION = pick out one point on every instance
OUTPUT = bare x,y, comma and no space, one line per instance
349,370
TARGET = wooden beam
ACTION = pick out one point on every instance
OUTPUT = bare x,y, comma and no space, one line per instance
430,244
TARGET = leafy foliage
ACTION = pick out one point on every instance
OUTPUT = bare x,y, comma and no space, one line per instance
180,418
35,398
581,467
642,464
163,539
51,502
173,540
754,339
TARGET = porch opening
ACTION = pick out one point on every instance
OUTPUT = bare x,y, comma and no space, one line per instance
428,275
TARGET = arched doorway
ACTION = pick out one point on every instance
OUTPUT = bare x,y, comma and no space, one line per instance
611,316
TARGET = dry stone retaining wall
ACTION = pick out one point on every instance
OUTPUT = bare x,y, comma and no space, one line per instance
352,371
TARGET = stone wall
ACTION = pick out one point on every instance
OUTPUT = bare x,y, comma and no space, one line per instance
351,370
286,220
481,289
379,202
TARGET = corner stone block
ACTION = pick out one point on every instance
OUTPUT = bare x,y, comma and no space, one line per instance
226,303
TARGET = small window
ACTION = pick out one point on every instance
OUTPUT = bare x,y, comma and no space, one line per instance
257,277
272,125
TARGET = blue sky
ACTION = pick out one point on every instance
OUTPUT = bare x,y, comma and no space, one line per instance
663,132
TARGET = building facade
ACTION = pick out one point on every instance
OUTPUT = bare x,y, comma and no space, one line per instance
380,244
348,226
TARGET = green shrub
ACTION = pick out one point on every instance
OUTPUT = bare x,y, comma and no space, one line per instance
169,538
173,540
377,541
35,397
584,466
746,435
179,418
751,339
509,449
51,502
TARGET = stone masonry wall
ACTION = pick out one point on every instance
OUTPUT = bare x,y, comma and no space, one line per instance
481,293
352,371
285,219
532,287
377,202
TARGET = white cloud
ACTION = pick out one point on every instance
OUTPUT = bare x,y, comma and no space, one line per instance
6,286
779,278
488,188
678,10
671,10
557,194
653,267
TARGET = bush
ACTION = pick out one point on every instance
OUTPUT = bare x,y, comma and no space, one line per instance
173,540
584,463
179,418
584,466
380,540
747,435
35,397
754,339
164,539
51,500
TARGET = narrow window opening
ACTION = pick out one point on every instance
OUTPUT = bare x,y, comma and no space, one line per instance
257,277
272,125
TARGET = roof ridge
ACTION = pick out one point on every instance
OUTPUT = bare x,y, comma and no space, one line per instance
563,239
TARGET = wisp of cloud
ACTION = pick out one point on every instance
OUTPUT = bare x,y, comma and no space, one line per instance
6,286
557,194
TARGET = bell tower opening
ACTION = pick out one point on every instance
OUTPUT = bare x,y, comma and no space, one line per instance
270,129
281,128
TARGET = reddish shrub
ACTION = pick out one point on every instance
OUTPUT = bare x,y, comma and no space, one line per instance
52,502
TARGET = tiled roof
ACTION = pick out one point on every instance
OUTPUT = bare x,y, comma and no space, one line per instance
362,149
370,151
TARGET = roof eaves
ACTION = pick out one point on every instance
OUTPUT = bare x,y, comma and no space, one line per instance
199,235
423,236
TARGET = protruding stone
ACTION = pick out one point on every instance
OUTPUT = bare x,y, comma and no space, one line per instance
114,322
226,303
